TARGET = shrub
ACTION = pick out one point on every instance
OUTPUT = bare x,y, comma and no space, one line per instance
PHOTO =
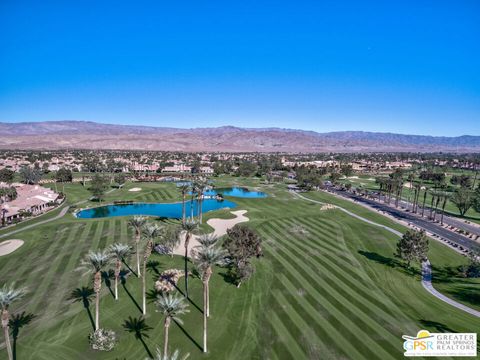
102,340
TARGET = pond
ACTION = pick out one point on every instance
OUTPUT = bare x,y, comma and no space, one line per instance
171,210
239,192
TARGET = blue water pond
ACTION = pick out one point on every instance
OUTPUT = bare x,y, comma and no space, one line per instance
239,192
172,210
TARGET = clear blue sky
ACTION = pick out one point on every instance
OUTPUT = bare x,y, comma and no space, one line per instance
398,66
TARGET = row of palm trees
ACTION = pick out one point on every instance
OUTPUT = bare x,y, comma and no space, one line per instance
204,256
195,187
393,187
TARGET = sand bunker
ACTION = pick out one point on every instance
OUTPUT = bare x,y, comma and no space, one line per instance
135,189
9,246
220,227
408,185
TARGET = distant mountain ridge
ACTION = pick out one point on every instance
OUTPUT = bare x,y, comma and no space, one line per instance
91,135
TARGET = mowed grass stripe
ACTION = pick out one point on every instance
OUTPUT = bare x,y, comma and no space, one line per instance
284,336
346,301
321,321
49,277
341,308
66,285
331,265
43,250
333,238
49,256
333,275
123,232
98,234
300,322
319,241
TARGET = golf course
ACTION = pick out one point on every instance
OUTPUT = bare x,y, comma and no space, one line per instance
327,287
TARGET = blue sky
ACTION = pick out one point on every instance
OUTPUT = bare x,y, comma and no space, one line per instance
407,66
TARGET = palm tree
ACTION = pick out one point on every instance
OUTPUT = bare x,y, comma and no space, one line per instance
8,294
188,228
94,262
171,238
193,190
201,186
207,240
137,222
184,191
424,200
119,252
150,233
174,356
205,258
171,307
446,197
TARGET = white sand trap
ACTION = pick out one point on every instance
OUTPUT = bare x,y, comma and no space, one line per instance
408,185
353,177
220,227
9,246
135,189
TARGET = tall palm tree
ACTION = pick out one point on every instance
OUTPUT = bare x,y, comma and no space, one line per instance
184,188
8,294
193,191
424,200
188,228
119,252
171,307
205,258
137,223
201,186
95,262
446,197
150,233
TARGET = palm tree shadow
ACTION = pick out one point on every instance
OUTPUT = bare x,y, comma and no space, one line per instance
124,281
140,329
84,294
188,335
107,277
16,323
152,266
129,268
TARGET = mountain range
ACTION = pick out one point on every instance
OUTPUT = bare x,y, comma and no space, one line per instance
68,134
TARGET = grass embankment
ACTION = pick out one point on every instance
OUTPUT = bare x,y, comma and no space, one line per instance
332,291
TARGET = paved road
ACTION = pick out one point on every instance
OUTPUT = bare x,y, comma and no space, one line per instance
426,267
419,222
447,219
